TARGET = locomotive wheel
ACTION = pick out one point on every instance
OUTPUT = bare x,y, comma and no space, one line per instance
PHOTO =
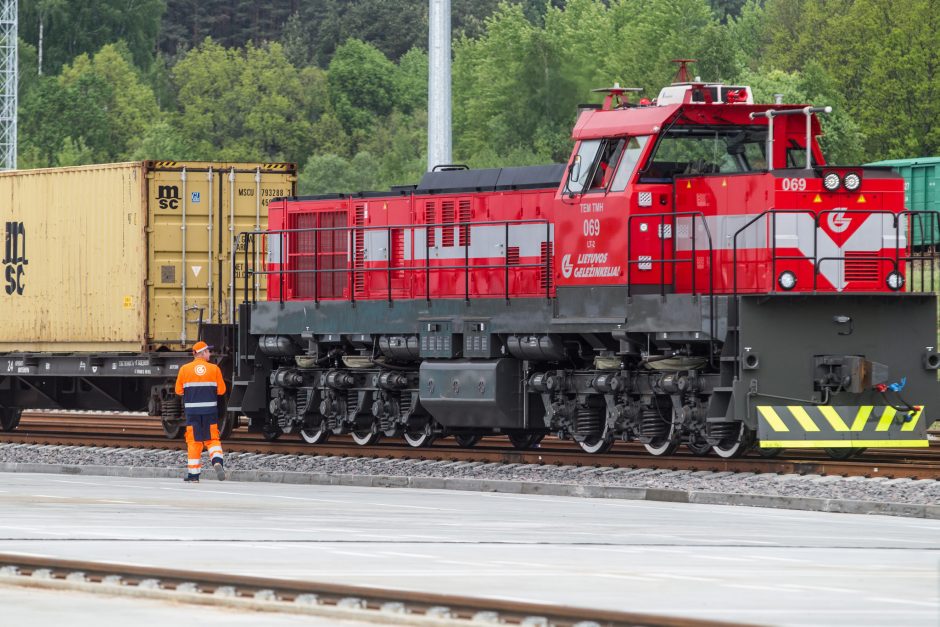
524,441
366,437
10,418
698,445
174,430
769,453
467,440
317,434
271,431
596,444
421,437
844,453
735,445
666,445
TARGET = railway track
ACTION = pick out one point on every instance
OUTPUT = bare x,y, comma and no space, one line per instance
141,431
305,597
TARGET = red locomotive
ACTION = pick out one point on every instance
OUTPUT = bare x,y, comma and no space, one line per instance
696,273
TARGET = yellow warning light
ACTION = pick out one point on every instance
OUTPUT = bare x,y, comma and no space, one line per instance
818,198
861,199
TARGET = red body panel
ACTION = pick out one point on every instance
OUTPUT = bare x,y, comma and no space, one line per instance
711,233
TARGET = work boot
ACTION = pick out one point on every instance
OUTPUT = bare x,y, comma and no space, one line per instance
191,478
219,470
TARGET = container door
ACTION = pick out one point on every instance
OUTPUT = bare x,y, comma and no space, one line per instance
245,191
181,238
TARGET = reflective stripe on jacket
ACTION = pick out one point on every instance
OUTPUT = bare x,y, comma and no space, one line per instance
200,384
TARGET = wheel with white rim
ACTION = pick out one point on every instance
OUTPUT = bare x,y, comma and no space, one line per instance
419,437
738,442
315,434
366,437
172,430
596,444
665,445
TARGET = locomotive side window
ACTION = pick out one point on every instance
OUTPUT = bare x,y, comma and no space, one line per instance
631,155
582,167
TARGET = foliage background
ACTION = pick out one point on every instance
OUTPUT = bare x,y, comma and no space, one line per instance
340,86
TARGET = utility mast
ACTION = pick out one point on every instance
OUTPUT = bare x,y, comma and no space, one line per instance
439,105
8,82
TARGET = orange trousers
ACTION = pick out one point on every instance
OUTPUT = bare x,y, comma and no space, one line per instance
194,448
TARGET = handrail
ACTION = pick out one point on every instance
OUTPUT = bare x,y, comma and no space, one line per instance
352,232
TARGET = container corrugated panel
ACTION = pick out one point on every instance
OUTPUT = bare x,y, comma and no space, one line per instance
921,177
74,259
94,256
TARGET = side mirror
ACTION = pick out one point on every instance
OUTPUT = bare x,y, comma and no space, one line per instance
574,172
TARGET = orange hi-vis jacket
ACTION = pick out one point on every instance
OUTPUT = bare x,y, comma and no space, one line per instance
200,384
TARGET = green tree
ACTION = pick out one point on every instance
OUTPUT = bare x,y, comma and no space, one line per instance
74,28
361,85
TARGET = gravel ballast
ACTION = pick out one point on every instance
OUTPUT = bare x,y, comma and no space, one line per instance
901,497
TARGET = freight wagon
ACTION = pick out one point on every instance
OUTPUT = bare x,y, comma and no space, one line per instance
921,176
111,272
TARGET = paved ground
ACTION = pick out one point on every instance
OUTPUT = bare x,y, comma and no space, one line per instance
754,565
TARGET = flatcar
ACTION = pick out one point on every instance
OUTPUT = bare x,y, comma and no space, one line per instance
696,274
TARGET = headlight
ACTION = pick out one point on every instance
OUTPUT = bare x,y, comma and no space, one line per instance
831,182
852,181
895,281
786,280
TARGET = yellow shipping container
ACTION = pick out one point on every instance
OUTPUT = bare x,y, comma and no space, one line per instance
126,256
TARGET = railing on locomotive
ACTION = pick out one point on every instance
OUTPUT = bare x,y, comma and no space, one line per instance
818,216
389,268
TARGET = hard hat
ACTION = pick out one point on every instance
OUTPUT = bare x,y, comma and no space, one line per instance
200,346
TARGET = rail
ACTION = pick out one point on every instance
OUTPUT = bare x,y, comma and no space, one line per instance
354,235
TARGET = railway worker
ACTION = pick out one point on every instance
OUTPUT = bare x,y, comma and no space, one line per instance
200,384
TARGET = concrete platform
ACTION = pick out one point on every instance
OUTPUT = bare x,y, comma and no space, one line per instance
753,565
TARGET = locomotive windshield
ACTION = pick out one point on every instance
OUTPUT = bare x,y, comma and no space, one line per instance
603,163
697,150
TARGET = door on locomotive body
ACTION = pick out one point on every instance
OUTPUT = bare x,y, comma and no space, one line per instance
389,246
591,224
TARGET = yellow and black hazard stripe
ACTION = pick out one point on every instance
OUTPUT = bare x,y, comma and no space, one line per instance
828,426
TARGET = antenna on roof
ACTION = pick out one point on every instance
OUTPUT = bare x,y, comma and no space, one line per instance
615,92
682,74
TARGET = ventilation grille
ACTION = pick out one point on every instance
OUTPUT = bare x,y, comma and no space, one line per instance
858,268
359,250
465,215
447,218
545,262
512,256
429,215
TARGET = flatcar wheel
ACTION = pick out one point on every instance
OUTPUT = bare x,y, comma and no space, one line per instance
467,440
366,437
596,444
10,418
174,430
844,453
735,444
418,438
698,445
315,434
226,426
525,441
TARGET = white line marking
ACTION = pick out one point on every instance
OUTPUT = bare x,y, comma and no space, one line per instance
906,602
753,587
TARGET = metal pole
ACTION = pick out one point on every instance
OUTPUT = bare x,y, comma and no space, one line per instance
439,95
211,252
233,239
